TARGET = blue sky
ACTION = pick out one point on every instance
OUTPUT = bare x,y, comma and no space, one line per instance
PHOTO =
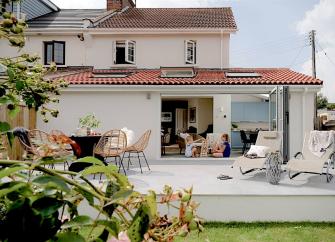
272,33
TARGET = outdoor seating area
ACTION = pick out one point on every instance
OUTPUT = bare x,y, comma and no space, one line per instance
112,146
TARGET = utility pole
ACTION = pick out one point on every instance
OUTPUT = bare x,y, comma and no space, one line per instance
312,43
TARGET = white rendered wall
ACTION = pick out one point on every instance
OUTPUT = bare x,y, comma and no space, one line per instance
152,51
222,113
75,54
115,110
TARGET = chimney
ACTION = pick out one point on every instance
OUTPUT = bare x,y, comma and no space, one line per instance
119,4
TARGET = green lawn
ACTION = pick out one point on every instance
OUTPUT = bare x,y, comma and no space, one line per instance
249,232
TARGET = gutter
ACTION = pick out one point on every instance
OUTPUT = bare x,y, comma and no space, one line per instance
95,31
206,89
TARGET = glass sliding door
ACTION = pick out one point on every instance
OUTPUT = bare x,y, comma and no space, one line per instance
279,115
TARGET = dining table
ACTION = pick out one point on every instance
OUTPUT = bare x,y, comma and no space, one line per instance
86,144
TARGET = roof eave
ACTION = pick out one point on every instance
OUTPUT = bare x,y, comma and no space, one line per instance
51,5
98,31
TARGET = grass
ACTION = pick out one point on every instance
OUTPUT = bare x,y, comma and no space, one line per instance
249,232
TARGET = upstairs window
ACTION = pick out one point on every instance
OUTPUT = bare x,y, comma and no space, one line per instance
54,51
124,52
190,52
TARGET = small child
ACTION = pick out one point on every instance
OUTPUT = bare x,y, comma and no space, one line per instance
223,148
190,149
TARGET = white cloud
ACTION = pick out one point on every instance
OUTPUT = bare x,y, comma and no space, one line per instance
322,19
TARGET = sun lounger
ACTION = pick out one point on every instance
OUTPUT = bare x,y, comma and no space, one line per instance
307,162
271,139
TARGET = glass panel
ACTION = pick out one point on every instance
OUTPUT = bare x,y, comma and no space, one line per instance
190,52
131,52
48,54
59,53
273,110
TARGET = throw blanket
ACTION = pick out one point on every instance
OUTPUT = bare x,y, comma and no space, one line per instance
320,141
22,134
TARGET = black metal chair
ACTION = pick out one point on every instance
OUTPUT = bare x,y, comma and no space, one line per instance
245,140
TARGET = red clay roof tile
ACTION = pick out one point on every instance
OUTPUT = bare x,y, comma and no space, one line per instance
269,76
171,18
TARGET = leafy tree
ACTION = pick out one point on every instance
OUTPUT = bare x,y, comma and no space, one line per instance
331,106
25,82
321,101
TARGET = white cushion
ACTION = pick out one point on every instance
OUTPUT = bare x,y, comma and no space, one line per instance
259,151
130,135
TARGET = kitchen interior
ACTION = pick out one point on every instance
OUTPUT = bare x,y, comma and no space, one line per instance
249,113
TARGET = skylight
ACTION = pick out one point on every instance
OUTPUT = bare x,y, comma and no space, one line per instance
242,74
177,72
111,74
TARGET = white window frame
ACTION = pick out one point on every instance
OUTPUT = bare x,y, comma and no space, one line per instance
194,49
128,45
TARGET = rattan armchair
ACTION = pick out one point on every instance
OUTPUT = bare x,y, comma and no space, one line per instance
112,144
40,144
138,149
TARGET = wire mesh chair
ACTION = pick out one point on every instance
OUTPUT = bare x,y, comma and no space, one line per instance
112,144
138,149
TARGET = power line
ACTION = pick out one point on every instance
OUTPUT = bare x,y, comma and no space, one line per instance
330,60
277,43
297,56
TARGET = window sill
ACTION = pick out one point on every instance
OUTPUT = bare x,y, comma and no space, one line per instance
124,65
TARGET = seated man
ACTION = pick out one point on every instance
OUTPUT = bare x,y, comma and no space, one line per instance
222,149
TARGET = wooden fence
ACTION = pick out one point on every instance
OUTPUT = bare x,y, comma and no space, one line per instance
25,118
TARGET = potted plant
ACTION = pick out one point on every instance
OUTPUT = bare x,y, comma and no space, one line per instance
89,122
234,126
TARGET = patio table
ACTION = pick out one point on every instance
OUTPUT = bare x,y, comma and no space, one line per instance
87,144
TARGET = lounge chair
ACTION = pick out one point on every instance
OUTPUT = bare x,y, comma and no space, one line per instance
271,139
307,162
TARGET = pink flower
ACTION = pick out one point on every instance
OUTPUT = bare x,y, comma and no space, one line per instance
123,237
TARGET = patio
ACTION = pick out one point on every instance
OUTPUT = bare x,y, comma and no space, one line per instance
243,198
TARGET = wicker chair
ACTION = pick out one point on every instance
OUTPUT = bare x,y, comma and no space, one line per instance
138,148
113,143
38,138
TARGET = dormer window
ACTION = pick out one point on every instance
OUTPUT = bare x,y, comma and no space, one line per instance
124,52
54,51
190,52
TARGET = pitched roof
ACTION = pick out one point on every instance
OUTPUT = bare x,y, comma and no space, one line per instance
65,18
268,76
171,18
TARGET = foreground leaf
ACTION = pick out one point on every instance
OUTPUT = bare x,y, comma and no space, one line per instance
70,237
10,171
47,205
52,180
77,222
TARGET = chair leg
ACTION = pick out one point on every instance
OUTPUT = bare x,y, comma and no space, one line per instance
145,158
139,161
121,164
244,147
128,160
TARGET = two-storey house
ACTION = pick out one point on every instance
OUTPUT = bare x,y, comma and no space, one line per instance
165,69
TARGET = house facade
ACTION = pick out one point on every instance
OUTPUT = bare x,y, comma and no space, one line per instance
132,66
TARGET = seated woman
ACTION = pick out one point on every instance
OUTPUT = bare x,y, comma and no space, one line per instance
222,149
190,149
